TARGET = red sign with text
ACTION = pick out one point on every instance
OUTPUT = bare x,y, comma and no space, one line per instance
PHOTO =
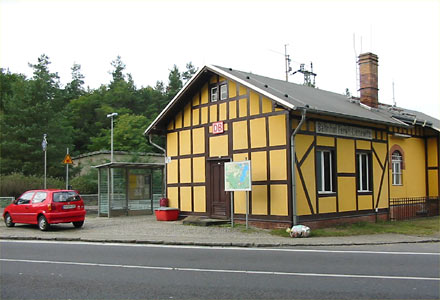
217,127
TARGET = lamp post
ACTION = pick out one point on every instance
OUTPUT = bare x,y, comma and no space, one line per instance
111,160
44,146
111,134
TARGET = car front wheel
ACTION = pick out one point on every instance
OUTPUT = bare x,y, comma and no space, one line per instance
8,221
42,223
78,224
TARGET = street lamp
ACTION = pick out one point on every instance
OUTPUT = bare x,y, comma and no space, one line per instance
111,141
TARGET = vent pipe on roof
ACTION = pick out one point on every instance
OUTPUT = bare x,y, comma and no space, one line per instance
368,71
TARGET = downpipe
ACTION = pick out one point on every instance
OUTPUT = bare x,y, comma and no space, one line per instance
293,164
164,180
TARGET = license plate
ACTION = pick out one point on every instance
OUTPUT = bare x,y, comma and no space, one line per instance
69,206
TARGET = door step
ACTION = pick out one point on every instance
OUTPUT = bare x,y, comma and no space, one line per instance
203,221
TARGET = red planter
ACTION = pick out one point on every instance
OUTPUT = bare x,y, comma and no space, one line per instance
167,214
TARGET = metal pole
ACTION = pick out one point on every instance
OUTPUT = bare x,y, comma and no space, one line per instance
67,172
247,209
45,167
232,209
111,140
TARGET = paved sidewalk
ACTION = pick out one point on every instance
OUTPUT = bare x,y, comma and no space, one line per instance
146,230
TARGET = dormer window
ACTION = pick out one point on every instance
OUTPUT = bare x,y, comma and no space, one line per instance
223,92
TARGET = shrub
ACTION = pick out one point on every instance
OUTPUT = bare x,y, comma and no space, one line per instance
14,185
86,184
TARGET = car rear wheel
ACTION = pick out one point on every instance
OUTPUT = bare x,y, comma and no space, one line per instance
8,221
78,224
42,223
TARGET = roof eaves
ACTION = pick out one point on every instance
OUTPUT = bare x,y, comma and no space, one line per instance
171,103
255,88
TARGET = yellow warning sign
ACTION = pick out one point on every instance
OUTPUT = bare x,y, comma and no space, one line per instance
67,160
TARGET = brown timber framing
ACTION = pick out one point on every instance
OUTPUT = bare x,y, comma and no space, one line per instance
229,125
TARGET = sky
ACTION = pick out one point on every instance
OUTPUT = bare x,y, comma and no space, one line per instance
252,36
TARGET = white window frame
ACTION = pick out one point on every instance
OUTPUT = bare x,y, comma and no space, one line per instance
396,163
223,91
214,94
321,180
361,172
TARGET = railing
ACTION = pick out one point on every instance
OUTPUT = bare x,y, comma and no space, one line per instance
409,208
5,201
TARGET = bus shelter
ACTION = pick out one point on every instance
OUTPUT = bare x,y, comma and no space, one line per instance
129,188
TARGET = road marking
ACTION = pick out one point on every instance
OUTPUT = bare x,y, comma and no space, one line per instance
220,270
223,248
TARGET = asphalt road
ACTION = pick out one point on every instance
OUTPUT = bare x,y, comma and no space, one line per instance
66,270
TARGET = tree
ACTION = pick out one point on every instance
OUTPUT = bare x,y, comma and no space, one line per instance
74,89
117,73
174,84
189,73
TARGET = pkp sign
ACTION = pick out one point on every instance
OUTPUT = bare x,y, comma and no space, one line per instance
217,127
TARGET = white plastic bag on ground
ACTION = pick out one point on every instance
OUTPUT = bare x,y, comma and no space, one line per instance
298,231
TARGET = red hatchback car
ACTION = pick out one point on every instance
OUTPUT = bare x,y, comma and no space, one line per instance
45,207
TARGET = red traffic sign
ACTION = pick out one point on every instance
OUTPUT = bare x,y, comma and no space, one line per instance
68,160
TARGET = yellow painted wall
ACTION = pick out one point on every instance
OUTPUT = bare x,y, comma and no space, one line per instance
178,120
222,111
185,142
213,113
185,170
278,200
381,151
199,169
218,146
365,202
173,197
267,105
278,165
433,183
198,140
363,145
172,144
259,199
325,141
196,117
240,140
347,193
327,205
172,171
204,115
185,198
254,103
239,202
205,94
232,89
258,132
277,130
346,157
196,99
413,176
232,109
242,108
187,115
259,166
432,152
199,199
302,143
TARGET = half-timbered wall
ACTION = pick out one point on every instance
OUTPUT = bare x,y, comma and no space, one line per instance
346,197
254,129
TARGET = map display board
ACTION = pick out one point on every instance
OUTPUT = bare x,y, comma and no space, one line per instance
238,176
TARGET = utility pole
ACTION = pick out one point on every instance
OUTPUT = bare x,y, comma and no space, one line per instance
287,59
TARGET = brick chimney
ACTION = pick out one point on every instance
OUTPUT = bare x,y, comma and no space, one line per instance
369,90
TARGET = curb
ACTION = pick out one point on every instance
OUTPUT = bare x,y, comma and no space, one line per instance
214,244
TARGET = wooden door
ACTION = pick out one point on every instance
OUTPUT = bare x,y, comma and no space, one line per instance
219,199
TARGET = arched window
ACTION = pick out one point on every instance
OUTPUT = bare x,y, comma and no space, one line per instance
396,162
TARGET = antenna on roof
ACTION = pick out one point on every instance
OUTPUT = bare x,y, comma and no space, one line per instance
356,64
287,58
394,99
308,80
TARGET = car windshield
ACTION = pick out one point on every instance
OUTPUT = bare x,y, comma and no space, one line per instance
65,196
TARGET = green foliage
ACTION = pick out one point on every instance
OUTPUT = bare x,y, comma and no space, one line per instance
86,184
73,117
15,184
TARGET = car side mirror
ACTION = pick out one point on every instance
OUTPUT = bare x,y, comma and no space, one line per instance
15,201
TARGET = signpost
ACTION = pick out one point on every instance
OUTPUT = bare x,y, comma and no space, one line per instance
67,161
44,146
238,178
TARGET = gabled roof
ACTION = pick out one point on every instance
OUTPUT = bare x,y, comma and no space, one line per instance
291,96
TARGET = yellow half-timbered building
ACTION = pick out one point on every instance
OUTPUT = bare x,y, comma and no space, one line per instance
316,156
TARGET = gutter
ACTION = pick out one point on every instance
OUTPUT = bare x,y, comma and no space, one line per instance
164,179
293,164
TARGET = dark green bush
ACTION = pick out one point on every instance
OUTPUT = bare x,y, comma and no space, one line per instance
86,184
15,184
